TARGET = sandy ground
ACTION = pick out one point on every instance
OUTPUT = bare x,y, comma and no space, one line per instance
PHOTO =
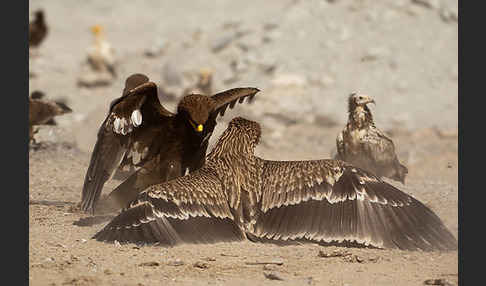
306,57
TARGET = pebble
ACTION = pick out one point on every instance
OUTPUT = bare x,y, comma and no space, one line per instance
289,79
171,74
449,15
150,263
200,264
222,42
157,48
374,53
442,282
334,253
431,4
271,275
176,262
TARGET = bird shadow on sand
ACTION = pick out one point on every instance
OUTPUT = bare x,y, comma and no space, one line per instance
347,244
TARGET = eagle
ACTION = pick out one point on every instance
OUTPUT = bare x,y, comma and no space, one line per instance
42,111
37,29
362,144
139,133
236,195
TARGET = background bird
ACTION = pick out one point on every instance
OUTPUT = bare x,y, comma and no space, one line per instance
237,194
362,144
204,83
37,29
101,56
42,111
139,132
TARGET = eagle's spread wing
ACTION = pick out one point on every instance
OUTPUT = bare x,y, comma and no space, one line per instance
132,117
230,97
188,209
329,201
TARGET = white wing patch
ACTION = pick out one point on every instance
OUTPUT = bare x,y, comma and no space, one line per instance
136,117
123,126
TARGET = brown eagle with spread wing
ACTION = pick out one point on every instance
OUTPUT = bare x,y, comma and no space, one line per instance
237,195
139,132
363,145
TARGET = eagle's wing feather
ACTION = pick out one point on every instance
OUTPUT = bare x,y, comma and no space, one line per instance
130,117
231,97
188,209
329,201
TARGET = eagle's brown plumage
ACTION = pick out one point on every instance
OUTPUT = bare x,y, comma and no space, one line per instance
140,132
37,29
363,145
42,111
237,194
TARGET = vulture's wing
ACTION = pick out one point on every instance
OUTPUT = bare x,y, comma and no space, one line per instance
379,147
329,201
136,114
230,97
188,209
340,154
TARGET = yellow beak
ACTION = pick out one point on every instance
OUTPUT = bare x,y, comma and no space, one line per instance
199,128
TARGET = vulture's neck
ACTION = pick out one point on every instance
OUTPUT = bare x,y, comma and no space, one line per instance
360,117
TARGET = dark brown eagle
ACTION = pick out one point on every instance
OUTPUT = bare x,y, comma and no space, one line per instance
42,111
139,132
237,195
37,29
365,146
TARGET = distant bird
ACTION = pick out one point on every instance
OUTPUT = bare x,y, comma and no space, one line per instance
363,145
42,111
237,195
101,56
204,84
139,132
37,29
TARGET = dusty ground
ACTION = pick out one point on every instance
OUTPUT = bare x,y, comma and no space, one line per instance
306,57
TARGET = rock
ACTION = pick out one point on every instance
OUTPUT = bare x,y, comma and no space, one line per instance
442,282
431,4
270,267
150,263
289,79
272,275
374,54
200,264
157,48
274,262
449,15
270,26
323,80
334,253
171,74
210,259
95,79
176,262
222,42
